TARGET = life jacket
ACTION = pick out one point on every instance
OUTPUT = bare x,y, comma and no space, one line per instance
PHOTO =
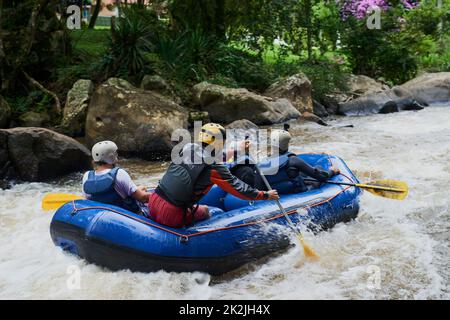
178,183
101,189
240,161
275,170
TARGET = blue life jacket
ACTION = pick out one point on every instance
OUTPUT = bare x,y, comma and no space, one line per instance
275,170
101,189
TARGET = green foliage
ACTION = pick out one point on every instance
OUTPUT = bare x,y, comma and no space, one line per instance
128,44
234,43
35,101
325,78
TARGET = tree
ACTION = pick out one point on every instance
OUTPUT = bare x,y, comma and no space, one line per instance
29,31
98,6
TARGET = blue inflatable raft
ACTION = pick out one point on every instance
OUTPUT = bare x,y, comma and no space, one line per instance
237,233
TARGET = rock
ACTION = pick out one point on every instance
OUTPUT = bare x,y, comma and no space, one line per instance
357,86
243,124
413,95
319,109
308,116
158,84
296,88
197,92
75,110
5,113
408,104
38,154
368,104
140,122
201,116
429,88
34,119
226,105
389,107
154,83
4,154
331,104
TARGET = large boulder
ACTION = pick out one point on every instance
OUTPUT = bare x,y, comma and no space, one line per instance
158,84
242,124
75,109
429,88
356,86
225,105
5,113
38,154
413,95
296,88
371,103
140,122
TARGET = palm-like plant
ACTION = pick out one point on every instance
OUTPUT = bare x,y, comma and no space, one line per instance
129,43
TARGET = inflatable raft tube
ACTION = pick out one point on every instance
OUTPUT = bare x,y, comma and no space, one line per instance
237,233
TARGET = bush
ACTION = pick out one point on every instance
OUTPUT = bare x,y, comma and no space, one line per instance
128,45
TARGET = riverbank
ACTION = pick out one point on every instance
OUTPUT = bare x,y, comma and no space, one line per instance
407,243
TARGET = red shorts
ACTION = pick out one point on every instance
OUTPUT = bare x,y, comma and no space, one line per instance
170,215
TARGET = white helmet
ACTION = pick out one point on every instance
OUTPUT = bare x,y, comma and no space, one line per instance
105,151
280,139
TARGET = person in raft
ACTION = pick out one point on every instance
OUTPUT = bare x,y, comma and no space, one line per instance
288,176
108,183
174,201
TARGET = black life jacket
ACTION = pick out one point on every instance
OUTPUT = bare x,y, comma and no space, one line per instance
178,183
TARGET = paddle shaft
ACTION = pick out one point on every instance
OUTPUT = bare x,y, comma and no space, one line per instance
263,177
359,185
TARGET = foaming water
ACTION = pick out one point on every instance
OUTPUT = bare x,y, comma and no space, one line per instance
393,250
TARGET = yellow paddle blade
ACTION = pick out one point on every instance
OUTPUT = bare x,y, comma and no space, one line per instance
309,253
53,201
391,189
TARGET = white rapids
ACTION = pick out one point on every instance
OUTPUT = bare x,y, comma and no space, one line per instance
393,250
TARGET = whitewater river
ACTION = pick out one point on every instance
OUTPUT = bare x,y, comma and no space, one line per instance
393,250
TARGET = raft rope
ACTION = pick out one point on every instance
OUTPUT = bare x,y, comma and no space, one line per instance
185,237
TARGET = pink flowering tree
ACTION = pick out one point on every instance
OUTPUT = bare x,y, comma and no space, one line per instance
387,52
360,8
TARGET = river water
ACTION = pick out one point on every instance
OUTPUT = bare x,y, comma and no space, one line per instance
393,250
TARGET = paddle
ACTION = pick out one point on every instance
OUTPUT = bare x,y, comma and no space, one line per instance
391,189
53,201
306,249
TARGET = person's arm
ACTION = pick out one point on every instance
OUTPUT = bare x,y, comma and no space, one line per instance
85,177
126,187
141,194
313,172
221,176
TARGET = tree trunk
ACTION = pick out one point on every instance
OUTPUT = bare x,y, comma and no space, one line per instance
18,63
220,19
2,51
36,84
98,6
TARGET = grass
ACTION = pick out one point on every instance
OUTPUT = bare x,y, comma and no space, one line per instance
93,42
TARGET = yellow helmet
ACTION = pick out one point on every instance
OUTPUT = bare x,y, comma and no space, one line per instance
211,132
